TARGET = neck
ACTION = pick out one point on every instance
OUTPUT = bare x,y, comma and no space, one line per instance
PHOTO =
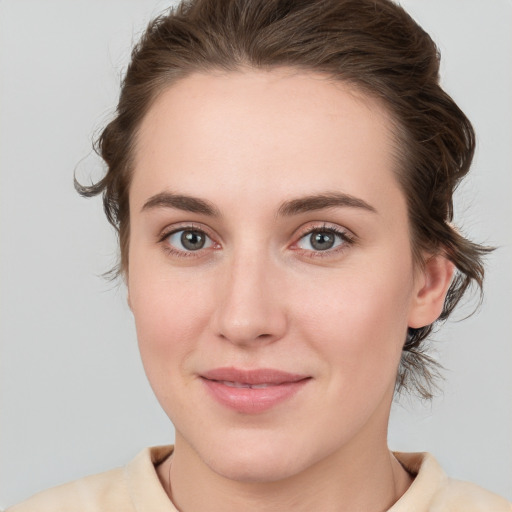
366,478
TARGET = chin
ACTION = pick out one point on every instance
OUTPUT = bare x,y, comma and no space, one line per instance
255,468
266,457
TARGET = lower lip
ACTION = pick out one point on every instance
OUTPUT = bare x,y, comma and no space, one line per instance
251,400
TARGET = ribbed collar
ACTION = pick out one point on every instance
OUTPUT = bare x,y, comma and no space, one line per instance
428,479
144,486
148,495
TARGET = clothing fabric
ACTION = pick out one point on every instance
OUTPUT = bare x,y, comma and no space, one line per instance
137,488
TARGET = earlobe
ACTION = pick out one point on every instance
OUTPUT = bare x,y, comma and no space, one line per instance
432,284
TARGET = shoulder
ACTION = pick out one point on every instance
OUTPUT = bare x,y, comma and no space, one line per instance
118,489
92,493
433,491
456,495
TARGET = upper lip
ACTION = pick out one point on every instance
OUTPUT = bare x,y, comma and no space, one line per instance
253,377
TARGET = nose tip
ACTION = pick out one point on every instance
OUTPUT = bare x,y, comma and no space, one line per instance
250,309
250,321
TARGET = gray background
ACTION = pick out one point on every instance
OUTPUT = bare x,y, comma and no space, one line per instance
74,399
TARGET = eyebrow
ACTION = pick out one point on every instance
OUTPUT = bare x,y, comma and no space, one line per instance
181,202
322,201
287,209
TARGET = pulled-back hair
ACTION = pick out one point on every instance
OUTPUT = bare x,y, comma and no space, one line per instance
373,45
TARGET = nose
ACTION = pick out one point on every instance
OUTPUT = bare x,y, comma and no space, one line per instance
251,307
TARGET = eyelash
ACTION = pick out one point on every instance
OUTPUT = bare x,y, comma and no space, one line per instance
345,237
346,240
183,253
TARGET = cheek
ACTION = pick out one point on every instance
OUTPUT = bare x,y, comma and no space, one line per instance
169,315
359,323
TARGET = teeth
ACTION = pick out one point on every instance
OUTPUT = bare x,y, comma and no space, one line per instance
235,384
244,385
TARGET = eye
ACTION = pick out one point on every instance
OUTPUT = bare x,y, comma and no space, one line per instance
323,239
188,240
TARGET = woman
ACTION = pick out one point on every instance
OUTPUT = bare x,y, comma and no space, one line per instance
281,176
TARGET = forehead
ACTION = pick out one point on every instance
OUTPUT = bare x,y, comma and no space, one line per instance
282,130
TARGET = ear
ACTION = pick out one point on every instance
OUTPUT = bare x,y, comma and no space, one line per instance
432,283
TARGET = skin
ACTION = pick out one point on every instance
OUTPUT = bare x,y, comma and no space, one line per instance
259,295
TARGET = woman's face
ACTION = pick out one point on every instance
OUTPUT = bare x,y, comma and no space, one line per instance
270,270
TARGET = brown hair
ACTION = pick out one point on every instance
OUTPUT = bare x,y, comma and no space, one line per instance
372,44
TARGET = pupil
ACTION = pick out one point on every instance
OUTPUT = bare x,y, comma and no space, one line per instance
192,240
322,241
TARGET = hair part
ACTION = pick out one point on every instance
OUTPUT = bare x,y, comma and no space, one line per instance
373,45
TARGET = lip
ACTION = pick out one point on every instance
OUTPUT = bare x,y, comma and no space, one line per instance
252,391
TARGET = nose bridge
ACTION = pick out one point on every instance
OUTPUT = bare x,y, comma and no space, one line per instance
250,308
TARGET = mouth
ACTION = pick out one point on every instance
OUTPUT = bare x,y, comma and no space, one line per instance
252,391
246,385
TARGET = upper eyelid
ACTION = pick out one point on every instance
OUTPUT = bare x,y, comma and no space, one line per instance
323,225
185,226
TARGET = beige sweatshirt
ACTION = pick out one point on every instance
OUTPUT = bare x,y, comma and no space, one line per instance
136,488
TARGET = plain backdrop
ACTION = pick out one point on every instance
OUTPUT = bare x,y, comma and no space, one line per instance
74,398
